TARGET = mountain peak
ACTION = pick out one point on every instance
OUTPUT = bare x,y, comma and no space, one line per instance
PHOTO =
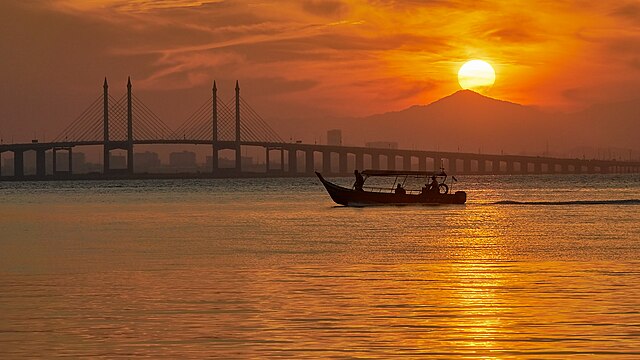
470,98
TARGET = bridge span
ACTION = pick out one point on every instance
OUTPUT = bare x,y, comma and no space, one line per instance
126,122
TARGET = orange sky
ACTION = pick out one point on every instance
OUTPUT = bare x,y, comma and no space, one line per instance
308,58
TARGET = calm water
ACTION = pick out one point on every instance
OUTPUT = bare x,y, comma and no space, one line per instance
271,269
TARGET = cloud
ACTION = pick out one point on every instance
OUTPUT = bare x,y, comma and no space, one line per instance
274,86
512,33
128,5
342,56
327,8
629,11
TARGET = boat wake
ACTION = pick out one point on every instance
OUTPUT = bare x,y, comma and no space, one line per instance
574,202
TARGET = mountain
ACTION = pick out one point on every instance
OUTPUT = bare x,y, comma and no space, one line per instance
472,122
609,125
464,120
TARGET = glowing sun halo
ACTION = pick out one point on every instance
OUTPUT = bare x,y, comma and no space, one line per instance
476,75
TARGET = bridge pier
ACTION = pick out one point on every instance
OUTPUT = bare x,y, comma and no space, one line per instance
391,161
214,159
482,169
71,161
422,163
605,169
41,168
510,167
537,167
406,162
452,166
342,163
375,161
266,159
360,161
309,162
18,163
293,161
577,168
326,162
466,166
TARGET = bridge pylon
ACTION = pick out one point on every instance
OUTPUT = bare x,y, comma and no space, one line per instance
105,128
109,143
129,129
214,128
238,147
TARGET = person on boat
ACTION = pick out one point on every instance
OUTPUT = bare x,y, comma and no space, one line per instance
400,190
359,180
434,186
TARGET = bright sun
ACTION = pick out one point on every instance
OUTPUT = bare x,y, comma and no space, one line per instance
476,75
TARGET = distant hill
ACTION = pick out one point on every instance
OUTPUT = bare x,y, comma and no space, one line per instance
472,122
465,120
609,125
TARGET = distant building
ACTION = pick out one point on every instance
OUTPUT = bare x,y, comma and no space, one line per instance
246,161
382,144
184,160
334,137
117,161
78,159
7,165
29,162
146,161
78,162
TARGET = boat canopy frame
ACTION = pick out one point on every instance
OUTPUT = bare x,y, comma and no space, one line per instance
401,176
416,173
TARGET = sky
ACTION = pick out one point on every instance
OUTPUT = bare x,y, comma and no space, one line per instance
306,58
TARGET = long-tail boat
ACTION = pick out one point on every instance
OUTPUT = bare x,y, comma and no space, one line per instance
437,192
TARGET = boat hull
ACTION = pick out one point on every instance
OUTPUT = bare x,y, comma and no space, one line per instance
350,197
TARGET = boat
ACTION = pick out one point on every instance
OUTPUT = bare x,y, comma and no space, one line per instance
396,194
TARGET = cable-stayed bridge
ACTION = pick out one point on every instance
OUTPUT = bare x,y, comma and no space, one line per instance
124,122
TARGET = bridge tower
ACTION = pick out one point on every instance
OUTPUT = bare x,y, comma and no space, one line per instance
238,153
105,129
129,129
214,124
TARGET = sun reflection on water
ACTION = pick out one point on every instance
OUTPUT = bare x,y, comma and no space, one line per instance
257,274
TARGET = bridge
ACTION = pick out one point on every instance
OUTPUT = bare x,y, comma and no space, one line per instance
122,123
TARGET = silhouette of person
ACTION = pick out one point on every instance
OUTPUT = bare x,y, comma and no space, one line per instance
400,190
434,186
359,181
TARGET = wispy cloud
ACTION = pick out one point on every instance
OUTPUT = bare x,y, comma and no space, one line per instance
407,50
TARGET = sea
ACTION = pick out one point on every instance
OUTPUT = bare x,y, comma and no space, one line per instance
535,266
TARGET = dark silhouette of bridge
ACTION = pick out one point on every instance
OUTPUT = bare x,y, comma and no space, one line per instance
122,123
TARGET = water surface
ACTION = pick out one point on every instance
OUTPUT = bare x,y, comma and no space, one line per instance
533,267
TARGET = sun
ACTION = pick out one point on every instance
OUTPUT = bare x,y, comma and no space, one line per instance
476,75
